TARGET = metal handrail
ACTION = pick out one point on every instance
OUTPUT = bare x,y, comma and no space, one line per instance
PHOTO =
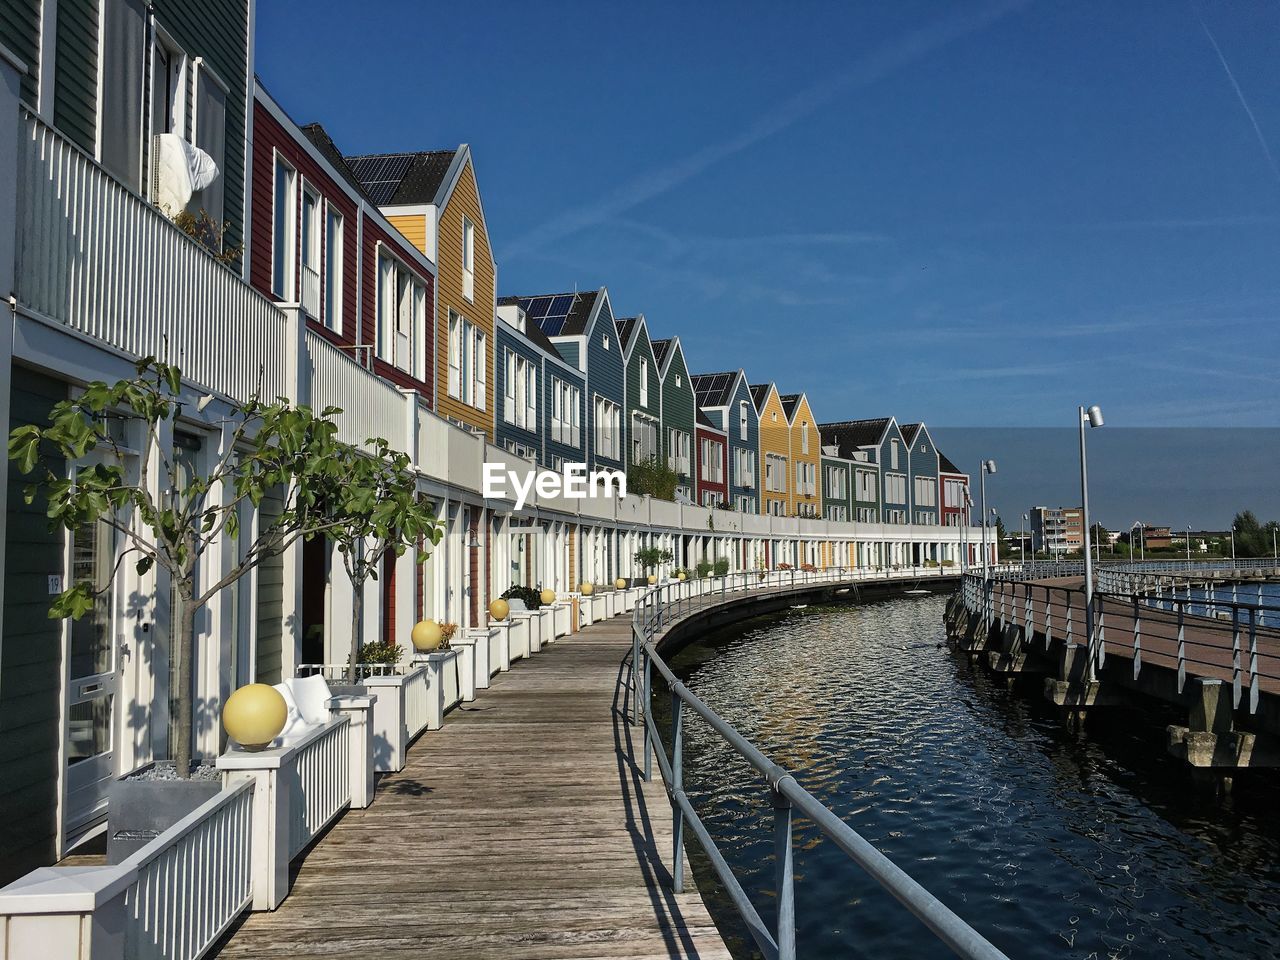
659,607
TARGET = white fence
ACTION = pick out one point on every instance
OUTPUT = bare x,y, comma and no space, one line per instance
371,407
323,784
99,258
193,880
416,712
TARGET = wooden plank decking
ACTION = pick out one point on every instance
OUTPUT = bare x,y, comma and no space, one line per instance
519,830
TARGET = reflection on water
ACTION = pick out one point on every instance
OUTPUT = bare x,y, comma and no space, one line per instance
1053,844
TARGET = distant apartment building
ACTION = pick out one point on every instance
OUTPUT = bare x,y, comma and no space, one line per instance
1057,529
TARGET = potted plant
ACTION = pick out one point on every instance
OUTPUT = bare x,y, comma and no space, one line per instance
721,567
704,568
650,558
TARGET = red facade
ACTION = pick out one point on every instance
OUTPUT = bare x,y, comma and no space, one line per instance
364,229
708,490
950,512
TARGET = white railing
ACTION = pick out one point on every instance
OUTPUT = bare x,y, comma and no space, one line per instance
311,290
416,708
338,671
100,259
193,880
322,782
371,407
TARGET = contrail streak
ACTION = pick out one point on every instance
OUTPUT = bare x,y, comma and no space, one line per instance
1262,140
878,65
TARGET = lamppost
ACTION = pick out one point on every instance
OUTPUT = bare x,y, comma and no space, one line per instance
1233,543
1022,540
1093,417
1188,546
988,466
1142,541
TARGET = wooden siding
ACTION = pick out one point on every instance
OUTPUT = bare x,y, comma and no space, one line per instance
829,497
75,77
374,234
751,444
924,463
775,438
20,27
720,490
414,228
217,32
464,202
804,417
30,660
552,448
642,350
505,340
268,654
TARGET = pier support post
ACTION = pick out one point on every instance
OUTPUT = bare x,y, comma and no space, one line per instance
1210,740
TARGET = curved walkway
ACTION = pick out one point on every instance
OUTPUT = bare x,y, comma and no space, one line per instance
519,830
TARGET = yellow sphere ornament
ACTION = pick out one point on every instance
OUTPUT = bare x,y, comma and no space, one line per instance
548,597
586,589
426,636
254,715
652,579
499,609
680,577
620,584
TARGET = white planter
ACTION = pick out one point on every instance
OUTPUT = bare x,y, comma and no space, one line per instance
530,625
599,608
442,694
399,715
467,672
484,640
499,647
562,611
547,623
586,606
519,637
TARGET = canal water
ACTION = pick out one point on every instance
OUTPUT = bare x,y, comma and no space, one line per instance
1052,843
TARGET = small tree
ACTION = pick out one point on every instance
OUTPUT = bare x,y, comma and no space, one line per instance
654,478
172,520
650,557
376,512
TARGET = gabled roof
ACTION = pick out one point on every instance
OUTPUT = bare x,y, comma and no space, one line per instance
399,179
627,327
660,348
789,404
533,333
946,466
319,136
665,351
850,435
557,314
715,389
705,421
760,394
909,431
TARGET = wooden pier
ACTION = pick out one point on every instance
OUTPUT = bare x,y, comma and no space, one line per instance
519,830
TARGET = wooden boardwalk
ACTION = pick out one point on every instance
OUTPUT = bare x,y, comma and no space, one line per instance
519,830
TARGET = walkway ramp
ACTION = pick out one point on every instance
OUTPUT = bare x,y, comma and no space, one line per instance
519,830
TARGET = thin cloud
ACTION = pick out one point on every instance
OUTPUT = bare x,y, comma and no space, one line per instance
907,50
1262,140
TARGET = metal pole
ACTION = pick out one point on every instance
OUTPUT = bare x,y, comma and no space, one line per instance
1188,547
784,879
1088,562
985,571
677,784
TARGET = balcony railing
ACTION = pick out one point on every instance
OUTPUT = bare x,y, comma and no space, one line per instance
102,260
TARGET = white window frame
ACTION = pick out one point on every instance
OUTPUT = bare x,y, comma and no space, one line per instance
311,247
644,382
334,255
287,287
468,259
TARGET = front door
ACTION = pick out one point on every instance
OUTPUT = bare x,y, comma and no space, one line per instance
93,681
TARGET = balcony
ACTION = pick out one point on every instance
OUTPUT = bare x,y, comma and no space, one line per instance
100,259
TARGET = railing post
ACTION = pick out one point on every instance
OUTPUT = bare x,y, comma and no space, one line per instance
1253,658
635,674
648,754
1235,657
677,785
1182,646
784,878
1137,638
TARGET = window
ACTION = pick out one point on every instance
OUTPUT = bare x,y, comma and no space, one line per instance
834,482
285,210
709,499
744,468
120,126
804,437
745,504
565,403
926,492
401,317
925,518
520,391
775,473
608,426
606,342
955,491
895,488
711,465
893,454
678,450
168,86
311,252
866,485
209,130
468,259
468,361
644,382
644,438
806,479
679,382
333,252
742,420
867,515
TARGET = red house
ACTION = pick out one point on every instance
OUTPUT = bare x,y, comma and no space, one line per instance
712,488
316,239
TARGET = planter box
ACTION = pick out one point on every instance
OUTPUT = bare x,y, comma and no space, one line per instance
399,715
562,614
528,624
499,647
484,640
442,693
467,672
519,634
586,607
138,811
547,622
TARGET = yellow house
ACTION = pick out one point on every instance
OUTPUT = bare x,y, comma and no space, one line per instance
775,450
804,493
432,198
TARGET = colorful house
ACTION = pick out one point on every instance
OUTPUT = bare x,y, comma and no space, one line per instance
318,239
712,488
922,468
679,411
433,199
775,450
837,486
725,398
953,484
529,365
581,327
858,442
806,453
643,407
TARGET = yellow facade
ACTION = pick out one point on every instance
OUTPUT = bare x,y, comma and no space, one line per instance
806,449
775,441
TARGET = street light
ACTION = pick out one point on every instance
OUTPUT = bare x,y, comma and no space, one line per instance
1233,543
1022,540
1188,546
988,466
1142,542
1093,417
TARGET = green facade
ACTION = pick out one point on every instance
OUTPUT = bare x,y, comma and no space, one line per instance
829,497
20,32
639,357
30,657
679,405
75,77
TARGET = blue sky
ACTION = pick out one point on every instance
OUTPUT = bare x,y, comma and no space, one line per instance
971,214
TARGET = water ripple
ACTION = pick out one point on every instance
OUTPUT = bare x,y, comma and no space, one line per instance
1053,844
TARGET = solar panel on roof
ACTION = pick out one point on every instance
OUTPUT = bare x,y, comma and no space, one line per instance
552,326
537,308
561,305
